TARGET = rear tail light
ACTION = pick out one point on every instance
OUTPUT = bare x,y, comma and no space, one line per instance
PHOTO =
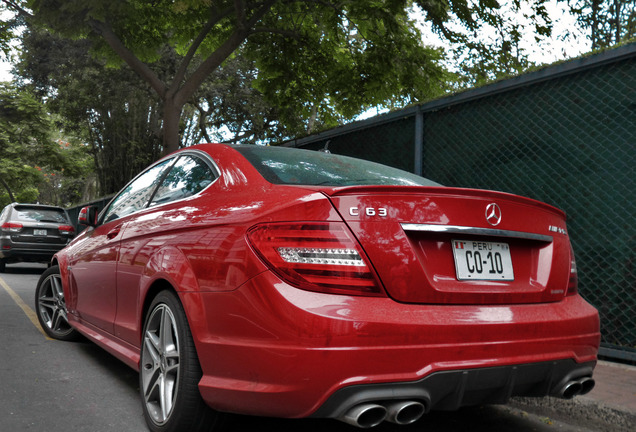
573,283
323,257
11,227
66,229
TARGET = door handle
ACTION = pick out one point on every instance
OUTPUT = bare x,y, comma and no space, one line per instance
113,233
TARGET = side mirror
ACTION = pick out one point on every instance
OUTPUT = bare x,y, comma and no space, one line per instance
88,216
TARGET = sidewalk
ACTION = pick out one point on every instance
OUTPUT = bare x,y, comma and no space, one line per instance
609,407
615,386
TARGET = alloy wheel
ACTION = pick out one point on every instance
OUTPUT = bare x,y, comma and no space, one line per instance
160,364
51,306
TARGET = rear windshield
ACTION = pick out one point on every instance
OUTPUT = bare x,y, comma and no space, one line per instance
35,214
282,165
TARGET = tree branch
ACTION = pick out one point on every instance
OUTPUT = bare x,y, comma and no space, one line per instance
205,31
202,117
135,64
21,11
215,59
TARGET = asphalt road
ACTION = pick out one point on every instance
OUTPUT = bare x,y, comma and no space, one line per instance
53,386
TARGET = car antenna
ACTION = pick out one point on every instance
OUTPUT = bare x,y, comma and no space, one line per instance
325,149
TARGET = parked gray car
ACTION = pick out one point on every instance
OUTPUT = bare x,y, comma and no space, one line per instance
32,233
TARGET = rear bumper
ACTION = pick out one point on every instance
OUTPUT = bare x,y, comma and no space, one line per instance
271,349
450,390
12,251
30,252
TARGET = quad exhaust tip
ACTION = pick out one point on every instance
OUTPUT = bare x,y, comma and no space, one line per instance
576,387
405,412
365,415
369,415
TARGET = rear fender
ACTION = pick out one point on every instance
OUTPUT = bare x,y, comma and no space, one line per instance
169,268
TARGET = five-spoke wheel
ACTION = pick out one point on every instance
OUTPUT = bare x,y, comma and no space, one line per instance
160,364
170,371
51,306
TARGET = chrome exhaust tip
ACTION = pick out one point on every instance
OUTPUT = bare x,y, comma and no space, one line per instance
404,412
570,389
365,415
587,384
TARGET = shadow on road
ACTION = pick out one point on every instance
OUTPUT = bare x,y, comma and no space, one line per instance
475,419
25,268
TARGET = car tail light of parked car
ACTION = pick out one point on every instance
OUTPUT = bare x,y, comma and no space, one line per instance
12,227
66,229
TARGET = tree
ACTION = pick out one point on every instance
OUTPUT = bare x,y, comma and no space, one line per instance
119,124
609,22
24,143
340,57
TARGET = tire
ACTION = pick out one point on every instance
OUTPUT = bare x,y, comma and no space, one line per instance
3,265
50,306
170,371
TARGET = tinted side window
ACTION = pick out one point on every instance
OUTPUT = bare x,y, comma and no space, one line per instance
188,176
137,194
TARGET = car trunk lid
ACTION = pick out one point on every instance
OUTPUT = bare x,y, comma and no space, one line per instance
459,246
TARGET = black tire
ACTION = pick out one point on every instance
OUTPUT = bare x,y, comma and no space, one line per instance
168,354
50,306
3,265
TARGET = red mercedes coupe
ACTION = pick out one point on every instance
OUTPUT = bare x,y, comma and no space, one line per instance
282,282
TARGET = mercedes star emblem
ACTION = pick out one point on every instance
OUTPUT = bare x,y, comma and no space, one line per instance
493,214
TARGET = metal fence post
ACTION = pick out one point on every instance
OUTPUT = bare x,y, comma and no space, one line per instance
419,142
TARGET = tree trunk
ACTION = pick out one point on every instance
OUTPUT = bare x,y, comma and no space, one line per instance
171,120
6,186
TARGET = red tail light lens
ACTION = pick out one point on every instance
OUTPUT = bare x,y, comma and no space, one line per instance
573,283
11,227
66,229
323,257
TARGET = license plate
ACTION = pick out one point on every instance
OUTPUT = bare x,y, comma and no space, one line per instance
480,260
39,232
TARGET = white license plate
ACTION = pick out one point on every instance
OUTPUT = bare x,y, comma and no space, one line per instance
480,260
39,232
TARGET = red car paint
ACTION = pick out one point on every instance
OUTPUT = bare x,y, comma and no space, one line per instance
272,345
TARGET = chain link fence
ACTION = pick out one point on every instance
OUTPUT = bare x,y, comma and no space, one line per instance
565,135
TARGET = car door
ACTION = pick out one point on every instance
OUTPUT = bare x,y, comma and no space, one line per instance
152,230
93,267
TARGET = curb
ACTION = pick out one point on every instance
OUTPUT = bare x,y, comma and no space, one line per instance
581,411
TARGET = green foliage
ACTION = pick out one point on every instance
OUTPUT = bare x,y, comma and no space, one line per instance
323,62
609,22
486,45
342,62
29,194
24,129
29,158
229,108
119,122
8,31
309,64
